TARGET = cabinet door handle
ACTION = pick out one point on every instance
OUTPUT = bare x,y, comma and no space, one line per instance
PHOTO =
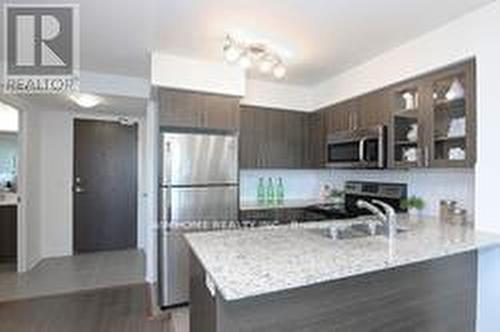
362,149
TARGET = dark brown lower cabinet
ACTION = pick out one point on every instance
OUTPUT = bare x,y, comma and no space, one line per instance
436,295
8,234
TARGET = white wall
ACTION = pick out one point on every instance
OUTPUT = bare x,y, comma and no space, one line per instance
489,291
29,230
114,85
278,95
151,190
56,177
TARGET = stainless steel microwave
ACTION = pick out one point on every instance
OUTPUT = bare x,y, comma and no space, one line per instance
360,148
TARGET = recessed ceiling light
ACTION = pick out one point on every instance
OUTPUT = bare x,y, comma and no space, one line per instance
85,100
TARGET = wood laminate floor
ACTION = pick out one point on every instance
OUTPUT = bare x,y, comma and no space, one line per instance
121,309
63,275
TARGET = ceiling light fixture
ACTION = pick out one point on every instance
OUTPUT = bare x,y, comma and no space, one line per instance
85,100
245,62
250,54
231,50
266,65
279,71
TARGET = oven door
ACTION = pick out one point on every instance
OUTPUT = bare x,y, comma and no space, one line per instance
357,149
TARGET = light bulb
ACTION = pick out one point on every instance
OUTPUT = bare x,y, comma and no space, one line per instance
266,65
245,61
279,71
232,54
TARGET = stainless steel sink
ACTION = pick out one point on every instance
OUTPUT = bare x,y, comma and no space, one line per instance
354,231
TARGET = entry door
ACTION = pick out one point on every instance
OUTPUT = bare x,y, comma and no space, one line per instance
105,186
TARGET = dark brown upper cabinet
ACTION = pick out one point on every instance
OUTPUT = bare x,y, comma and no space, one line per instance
343,116
374,109
451,111
366,111
187,109
434,120
272,138
407,132
315,145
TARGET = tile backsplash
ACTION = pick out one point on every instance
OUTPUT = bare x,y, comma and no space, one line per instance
299,184
432,185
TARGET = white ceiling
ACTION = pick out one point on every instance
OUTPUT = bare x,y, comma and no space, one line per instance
109,106
324,37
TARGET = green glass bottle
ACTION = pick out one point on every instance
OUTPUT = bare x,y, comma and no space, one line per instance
280,191
261,192
270,192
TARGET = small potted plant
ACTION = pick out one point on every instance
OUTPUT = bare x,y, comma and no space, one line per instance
414,205
337,196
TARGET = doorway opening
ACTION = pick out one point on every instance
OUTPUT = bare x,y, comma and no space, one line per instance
105,176
9,156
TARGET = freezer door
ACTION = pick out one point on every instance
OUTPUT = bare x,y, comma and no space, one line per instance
198,159
187,207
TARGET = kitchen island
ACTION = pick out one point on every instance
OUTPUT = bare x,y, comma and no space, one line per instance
298,279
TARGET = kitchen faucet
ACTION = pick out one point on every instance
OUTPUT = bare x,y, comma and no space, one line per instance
387,217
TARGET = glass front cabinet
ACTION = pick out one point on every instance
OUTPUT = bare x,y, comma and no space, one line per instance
434,120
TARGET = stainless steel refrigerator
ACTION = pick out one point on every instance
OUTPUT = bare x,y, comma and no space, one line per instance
198,185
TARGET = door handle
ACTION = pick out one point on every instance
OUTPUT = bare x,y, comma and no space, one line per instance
79,190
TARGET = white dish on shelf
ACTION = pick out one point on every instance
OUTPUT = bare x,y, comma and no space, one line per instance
410,155
457,128
412,134
456,91
456,154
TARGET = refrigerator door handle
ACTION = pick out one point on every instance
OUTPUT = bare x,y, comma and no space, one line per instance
166,163
165,205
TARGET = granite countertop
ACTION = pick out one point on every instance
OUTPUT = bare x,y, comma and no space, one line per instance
246,204
8,198
246,263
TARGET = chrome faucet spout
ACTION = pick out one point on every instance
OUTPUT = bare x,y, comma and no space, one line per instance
362,204
387,218
391,216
